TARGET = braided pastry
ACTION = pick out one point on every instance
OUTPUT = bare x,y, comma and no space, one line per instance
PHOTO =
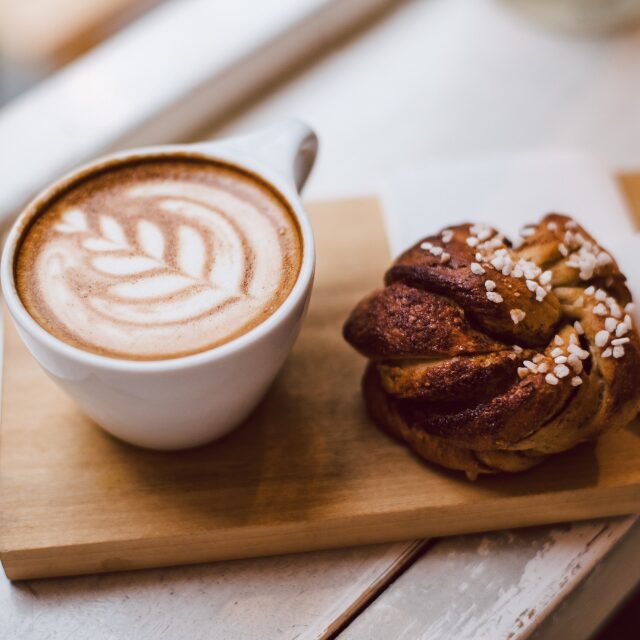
485,357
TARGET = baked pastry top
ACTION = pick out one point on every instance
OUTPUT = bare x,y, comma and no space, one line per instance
485,356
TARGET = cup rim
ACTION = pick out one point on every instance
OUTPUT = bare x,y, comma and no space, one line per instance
283,188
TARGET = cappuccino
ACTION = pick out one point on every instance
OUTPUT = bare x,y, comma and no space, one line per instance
158,258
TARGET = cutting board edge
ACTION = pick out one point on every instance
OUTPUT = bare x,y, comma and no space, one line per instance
299,537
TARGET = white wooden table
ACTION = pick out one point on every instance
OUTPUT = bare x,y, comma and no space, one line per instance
431,78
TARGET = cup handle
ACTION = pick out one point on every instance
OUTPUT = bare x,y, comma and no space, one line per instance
288,147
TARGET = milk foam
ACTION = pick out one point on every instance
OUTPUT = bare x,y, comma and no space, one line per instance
161,267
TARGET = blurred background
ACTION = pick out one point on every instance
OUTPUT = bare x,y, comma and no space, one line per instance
386,83
39,36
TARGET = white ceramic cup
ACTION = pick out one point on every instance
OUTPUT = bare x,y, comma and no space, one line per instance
183,402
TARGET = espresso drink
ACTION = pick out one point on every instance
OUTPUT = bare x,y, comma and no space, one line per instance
158,258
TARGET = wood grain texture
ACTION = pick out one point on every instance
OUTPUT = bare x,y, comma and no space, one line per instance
301,596
304,473
499,586
581,612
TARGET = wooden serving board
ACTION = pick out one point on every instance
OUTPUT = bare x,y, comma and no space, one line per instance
307,471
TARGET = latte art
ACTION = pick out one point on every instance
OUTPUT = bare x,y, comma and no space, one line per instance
158,260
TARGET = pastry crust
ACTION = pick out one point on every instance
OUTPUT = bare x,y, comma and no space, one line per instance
476,360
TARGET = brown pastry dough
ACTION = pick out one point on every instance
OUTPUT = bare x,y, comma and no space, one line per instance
485,357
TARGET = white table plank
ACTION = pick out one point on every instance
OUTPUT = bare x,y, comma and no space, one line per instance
498,585
304,596
600,594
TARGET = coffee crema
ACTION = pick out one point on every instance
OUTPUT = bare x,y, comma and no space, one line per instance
158,258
